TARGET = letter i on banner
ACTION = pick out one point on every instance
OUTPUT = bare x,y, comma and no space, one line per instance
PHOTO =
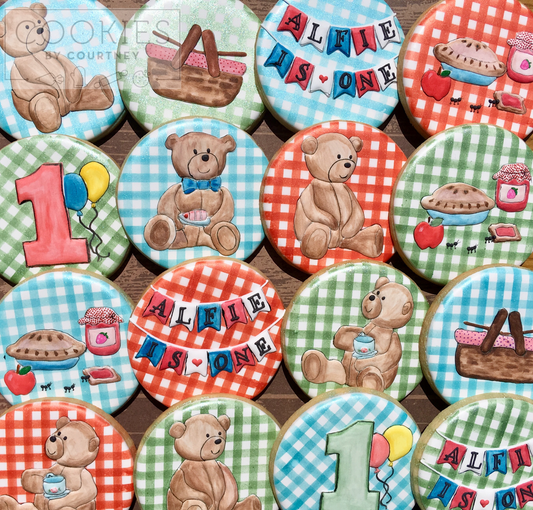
293,21
262,345
364,38
152,349
160,306
519,456
280,58
256,303
234,312
444,490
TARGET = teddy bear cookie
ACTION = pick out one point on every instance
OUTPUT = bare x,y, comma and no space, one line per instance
348,448
198,197
59,62
59,208
463,200
476,455
318,62
204,452
340,175
210,325
477,335
355,324
65,336
468,62
197,60
64,454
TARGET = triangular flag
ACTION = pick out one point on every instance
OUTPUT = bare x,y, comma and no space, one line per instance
387,74
473,461
209,316
196,362
293,21
183,314
316,33
463,499
300,72
234,312
255,303
519,456
387,31
339,40
242,356
280,58
174,358
219,361
322,80
152,349
160,306
444,490
364,38
452,454
261,346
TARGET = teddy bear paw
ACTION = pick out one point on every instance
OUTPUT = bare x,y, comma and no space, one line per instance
160,232
44,113
226,238
315,243
371,379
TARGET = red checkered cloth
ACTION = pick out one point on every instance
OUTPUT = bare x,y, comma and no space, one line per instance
379,163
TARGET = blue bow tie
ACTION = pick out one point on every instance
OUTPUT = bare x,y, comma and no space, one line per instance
190,185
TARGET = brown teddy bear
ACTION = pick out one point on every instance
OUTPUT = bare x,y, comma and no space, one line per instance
74,445
46,85
389,306
328,214
197,211
201,482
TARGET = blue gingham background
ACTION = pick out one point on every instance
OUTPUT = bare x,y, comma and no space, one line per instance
476,299
57,300
62,15
302,109
148,172
302,471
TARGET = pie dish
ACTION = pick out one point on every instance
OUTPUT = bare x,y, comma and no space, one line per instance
47,349
469,61
458,204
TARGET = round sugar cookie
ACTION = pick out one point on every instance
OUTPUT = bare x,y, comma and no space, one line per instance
59,69
321,61
213,75
64,454
210,325
58,208
65,335
348,448
476,337
210,450
325,195
463,200
191,189
355,324
466,62
476,455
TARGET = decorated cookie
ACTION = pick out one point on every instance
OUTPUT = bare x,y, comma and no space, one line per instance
210,451
329,60
58,63
210,325
58,208
463,200
196,60
325,195
355,324
191,189
466,62
64,454
348,448
477,336
65,335
476,455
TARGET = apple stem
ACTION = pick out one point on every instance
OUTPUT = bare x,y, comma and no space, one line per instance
18,369
439,71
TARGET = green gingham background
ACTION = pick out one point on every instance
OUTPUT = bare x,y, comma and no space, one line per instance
57,300
492,423
235,27
333,299
477,299
148,172
95,24
249,441
302,471
471,154
17,222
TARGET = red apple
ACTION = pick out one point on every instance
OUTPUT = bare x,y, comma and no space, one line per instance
427,235
20,382
436,85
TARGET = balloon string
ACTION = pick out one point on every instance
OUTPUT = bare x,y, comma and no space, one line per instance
94,249
386,487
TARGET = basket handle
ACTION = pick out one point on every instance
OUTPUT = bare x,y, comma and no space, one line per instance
188,45
211,53
494,331
517,332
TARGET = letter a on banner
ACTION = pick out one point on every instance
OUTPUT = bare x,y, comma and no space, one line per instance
160,306
452,454
293,21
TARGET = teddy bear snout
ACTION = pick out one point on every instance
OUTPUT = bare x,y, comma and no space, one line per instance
40,30
205,157
372,297
218,441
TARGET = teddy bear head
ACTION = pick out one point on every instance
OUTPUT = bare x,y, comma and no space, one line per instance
331,157
73,444
201,437
199,156
24,31
389,305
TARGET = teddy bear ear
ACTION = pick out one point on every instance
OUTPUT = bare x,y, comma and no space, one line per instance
309,145
94,443
407,307
229,142
177,430
40,9
171,141
381,281
224,421
357,143
62,421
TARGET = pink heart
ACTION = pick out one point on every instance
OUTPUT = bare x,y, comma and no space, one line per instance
196,362
323,78
484,502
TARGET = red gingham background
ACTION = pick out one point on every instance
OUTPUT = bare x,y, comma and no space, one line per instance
451,20
24,430
379,163
205,281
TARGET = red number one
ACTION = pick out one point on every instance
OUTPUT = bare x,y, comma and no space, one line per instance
54,244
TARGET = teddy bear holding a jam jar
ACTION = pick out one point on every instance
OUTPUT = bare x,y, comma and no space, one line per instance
102,330
512,190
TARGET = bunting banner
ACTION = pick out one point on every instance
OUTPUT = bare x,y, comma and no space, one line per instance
206,315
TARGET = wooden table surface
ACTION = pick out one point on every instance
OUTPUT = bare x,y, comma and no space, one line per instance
282,397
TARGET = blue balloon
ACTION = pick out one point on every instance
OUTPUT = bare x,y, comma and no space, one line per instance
75,192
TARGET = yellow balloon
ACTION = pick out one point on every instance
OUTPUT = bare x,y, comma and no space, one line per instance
96,178
400,439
